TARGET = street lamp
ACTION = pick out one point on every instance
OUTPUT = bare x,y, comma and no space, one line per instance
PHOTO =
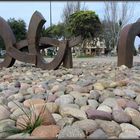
50,14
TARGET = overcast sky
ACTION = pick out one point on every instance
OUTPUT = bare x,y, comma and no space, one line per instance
24,10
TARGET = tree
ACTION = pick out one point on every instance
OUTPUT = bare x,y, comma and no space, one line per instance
117,14
54,31
70,8
84,23
18,27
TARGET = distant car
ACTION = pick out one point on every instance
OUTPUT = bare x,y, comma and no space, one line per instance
2,52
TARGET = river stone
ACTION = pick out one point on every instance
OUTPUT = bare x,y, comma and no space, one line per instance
111,102
81,101
94,94
32,102
121,102
17,84
6,125
75,94
98,86
86,107
118,92
59,93
13,105
98,134
65,121
71,132
132,104
120,116
104,108
64,99
3,101
130,93
18,97
128,135
75,79
49,132
111,128
79,88
72,106
97,114
39,90
57,88
56,116
93,103
126,127
105,95
19,111
24,86
51,98
135,116
74,112
138,99
113,85
87,125
30,90
4,112
85,83
52,107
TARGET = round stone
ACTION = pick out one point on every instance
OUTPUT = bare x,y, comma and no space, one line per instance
71,132
104,108
32,102
87,125
120,116
98,86
97,114
98,134
49,132
77,113
4,112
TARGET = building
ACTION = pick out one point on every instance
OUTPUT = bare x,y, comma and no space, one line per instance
91,48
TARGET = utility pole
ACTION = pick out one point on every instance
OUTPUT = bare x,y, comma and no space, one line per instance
50,13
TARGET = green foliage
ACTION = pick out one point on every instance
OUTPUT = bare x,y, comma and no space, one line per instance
54,31
84,23
30,124
18,27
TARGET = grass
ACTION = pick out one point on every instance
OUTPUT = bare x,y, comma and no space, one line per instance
29,125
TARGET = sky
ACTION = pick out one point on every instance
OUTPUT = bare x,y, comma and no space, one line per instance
24,10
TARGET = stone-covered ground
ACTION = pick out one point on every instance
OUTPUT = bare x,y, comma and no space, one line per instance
95,99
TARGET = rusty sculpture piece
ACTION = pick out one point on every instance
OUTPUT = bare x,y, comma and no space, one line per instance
126,44
34,43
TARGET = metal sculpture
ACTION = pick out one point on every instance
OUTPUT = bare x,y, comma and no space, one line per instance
126,44
34,43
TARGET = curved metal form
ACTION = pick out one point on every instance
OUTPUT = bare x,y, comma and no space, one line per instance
35,26
126,44
33,44
9,41
56,62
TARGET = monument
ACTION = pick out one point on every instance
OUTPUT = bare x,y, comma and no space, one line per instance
34,43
